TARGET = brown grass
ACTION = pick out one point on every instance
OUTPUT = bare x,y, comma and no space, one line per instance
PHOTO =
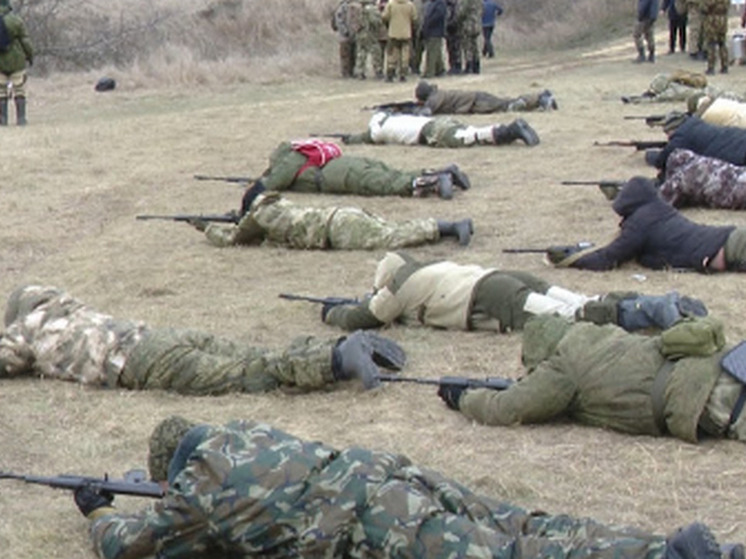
74,179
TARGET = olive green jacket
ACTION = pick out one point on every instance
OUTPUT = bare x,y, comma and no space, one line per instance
600,376
20,51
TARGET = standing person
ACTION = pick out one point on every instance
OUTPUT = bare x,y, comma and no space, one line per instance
50,334
246,489
677,19
491,10
346,38
401,18
647,13
367,41
469,16
16,51
433,32
696,33
418,43
453,45
715,29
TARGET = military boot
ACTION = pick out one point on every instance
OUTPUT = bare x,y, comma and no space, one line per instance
462,230
519,129
651,54
359,355
475,66
3,112
21,111
640,55
439,183
459,178
692,542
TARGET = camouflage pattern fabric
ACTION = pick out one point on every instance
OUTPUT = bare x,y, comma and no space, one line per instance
64,339
367,43
249,490
715,31
197,363
469,15
443,132
694,24
715,419
282,222
694,180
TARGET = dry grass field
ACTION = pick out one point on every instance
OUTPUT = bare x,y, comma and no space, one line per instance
72,181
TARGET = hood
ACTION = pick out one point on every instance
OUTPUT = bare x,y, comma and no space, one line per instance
541,336
387,268
637,192
424,89
27,298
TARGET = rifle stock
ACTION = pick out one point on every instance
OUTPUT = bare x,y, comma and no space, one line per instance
582,245
340,135
594,183
639,145
493,383
134,483
650,120
320,300
407,107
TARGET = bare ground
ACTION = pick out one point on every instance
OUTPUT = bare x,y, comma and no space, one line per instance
73,180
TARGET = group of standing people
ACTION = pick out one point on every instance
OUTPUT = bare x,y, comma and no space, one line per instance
700,24
392,37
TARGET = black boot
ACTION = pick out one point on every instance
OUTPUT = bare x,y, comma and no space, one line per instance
640,55
462,230
358,355
519,129
439,182
692,542
458,177
3,112
651,54
475,66
21,111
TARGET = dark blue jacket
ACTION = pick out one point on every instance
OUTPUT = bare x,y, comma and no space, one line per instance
647,9
670,7
727,143
490,12
655,234
434,24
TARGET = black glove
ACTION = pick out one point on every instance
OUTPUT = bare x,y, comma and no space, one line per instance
89,500
451,394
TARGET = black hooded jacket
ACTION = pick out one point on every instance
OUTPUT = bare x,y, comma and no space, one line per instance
722,142
655,234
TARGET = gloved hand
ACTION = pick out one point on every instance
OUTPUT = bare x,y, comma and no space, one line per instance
451,394
558,253
197,223
88,499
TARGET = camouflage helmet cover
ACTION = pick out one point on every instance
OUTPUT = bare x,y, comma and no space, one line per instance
162,445
26,298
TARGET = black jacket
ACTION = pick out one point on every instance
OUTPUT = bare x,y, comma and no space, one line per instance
722,142
434,22
655,234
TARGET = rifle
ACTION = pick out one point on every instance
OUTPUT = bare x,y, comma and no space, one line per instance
601,183
133,483
650,120
637,144
333,301
582,245
494,383
219,218
342,136
405,107
241,180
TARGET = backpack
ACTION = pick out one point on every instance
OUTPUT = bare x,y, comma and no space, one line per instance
5,39
318,153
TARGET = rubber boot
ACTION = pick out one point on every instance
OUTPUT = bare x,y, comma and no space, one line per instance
475,66
692,542
459,178
519,129
21,111
432,183
3,112
352,359
462,230
651,54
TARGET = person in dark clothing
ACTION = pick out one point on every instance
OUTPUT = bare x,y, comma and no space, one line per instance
491,10
657,236
433,31
647,13
676,25
691,132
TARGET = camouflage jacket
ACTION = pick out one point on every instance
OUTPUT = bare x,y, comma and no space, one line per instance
249,490
21,50
63,338
469,17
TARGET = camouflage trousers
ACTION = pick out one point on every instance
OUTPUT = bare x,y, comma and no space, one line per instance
447,132
716,418
365,48
397,57
645,33
190,362
715,30
470,48
420,513
696,33
695,180
356,229
17,79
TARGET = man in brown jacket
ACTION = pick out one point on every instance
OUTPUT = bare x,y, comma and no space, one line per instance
401,18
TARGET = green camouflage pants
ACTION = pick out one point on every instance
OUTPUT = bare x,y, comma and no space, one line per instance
645,33
715,30
502,296
355,229
197,363
366,47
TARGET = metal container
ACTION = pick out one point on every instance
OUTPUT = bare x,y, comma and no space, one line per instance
737,46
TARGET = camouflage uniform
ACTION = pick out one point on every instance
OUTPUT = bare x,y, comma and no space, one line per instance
50,334
469,17
453,38
276,220
715,30
695,21
13,62
699,181
609,378
367,41
341,24
248,490
679,85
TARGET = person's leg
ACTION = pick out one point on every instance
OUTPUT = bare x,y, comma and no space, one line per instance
355,229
